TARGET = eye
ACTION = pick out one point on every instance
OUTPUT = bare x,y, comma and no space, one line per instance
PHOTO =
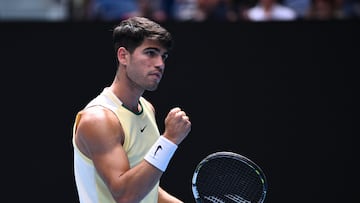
152,53
164,56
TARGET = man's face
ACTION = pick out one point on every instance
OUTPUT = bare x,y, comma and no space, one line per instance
146,65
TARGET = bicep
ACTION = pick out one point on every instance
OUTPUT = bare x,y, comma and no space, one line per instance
111,164
102,137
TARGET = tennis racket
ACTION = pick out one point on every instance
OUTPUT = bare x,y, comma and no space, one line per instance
227,177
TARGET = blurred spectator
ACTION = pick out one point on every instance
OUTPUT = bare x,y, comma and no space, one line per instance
236,10
109,10
299,6
347,9
204,10
226,10
183,10
39,10
209,10
230,10
326,10
152,9
79,9
270,10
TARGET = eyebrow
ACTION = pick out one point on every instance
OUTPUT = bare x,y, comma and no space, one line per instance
156,49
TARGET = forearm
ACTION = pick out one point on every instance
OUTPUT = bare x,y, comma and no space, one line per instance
136,183
144,176
165,197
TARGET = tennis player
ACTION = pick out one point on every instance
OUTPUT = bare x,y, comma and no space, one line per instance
119,153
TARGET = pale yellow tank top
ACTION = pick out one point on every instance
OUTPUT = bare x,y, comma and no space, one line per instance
141,132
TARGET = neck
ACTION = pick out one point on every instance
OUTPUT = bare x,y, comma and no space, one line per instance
127,95
136,110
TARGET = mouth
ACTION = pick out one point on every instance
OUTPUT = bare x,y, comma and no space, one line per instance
156,75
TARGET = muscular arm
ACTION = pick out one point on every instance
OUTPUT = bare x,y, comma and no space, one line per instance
99,136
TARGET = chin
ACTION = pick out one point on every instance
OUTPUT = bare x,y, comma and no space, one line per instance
153,88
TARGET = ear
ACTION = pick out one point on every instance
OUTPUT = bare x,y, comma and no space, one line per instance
122,55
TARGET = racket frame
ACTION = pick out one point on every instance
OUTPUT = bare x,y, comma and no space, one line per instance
233,155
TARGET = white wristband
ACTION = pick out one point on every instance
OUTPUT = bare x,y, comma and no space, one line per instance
160,153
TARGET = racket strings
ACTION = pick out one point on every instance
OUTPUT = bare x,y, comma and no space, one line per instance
229,179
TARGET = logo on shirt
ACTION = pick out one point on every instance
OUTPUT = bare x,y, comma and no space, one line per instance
142,129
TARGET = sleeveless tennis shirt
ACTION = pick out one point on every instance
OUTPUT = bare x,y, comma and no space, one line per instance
140,131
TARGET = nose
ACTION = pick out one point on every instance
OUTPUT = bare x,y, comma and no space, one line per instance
160,63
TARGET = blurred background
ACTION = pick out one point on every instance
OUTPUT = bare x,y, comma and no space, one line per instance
275,81
178,10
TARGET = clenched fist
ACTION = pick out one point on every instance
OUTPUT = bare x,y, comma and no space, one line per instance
177,125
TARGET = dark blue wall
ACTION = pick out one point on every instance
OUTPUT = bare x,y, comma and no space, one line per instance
282,94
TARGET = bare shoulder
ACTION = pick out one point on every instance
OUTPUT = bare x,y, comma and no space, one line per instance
97,115
98,130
